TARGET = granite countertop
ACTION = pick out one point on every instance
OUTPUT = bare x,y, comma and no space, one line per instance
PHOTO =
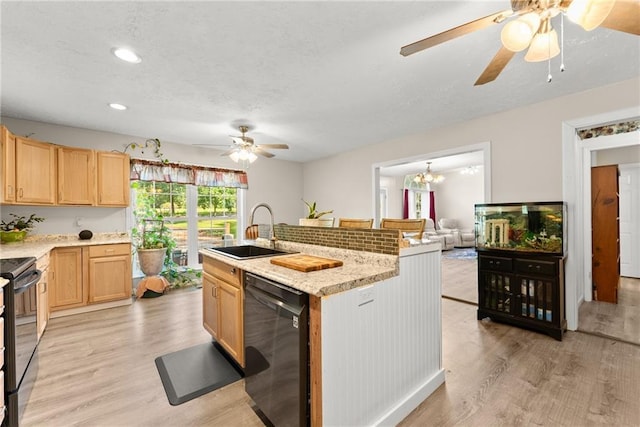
39,245
359,268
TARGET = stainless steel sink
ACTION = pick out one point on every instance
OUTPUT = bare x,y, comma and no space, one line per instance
247,251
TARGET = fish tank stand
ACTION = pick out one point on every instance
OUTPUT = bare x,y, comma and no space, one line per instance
521,265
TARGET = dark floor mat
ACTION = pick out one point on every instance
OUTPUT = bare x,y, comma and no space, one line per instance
194,371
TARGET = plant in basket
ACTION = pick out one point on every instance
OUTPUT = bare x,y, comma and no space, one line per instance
16,229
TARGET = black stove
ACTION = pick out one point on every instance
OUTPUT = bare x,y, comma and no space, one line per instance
11,268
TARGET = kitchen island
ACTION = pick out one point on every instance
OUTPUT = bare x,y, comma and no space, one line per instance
374,329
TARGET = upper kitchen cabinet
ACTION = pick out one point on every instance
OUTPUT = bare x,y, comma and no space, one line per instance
75,176
113,179
8,166
35,172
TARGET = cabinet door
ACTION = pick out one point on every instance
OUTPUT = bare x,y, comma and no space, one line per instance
66,289
210,304
230,326
8,165
113,179
35,172
75,176
43,303
109,278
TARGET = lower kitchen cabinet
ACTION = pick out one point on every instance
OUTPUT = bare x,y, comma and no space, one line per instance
109,272
42,316
522,289
67,287
222,313
89,275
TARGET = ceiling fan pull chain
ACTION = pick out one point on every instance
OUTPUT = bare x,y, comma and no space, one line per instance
561,42
549,77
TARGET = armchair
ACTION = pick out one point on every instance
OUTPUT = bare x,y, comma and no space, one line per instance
445,238
463,238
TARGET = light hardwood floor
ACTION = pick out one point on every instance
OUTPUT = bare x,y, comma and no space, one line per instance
460,280
97,369
621,320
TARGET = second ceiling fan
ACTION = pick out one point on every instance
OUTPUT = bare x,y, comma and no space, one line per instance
530,27
244,149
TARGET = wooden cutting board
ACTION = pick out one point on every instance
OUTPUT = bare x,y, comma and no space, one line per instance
306,263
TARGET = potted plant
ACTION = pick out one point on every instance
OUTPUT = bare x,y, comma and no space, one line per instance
16,229
154,244
314,217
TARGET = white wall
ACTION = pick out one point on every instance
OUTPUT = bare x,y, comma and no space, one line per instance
526,150
394,186
457,195
273,181
617,156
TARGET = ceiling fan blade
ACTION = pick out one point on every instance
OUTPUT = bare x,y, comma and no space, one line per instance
261,152
461,30
495,67
625,17
275,146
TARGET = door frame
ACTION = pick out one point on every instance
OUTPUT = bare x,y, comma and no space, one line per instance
576,190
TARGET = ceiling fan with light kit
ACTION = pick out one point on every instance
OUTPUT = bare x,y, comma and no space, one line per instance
530,26
244,149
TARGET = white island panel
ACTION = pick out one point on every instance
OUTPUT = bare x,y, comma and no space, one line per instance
382,345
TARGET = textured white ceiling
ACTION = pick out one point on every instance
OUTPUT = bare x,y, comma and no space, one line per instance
323,77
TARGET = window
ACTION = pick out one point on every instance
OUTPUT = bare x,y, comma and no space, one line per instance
197,216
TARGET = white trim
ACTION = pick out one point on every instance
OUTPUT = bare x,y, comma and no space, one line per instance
575,189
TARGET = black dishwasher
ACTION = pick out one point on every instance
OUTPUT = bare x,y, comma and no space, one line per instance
276,330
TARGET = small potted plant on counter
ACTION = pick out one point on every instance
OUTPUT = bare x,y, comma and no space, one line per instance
314,217
16,229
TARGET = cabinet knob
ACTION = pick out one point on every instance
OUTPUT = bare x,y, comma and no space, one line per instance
21,192
233,270
10,189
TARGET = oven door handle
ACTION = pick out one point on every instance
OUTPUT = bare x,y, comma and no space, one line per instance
29,281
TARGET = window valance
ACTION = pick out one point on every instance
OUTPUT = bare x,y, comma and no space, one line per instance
145,170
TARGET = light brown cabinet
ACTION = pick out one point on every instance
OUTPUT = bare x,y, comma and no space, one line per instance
75,176
109,273
113,179
66,288
223,310
8,165
35,172
41,173
90,275
42,316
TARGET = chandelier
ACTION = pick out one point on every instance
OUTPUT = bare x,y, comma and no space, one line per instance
428,177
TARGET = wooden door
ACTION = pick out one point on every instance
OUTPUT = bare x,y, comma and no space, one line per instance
35,172
210,304
8,166
605,243
75,176
113,179
67,289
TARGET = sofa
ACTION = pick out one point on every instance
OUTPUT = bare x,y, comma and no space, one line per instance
446,239
463,238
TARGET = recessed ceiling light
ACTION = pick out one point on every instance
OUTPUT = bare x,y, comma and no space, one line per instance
126,55
117,106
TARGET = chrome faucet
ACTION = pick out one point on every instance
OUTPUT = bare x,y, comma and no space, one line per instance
272,238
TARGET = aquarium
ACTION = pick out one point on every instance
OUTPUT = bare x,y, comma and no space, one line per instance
527,227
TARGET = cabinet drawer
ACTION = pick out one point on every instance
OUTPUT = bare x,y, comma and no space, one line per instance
109,250
525,266
224,271
496,263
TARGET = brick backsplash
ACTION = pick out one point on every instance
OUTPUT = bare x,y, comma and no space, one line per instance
357,239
